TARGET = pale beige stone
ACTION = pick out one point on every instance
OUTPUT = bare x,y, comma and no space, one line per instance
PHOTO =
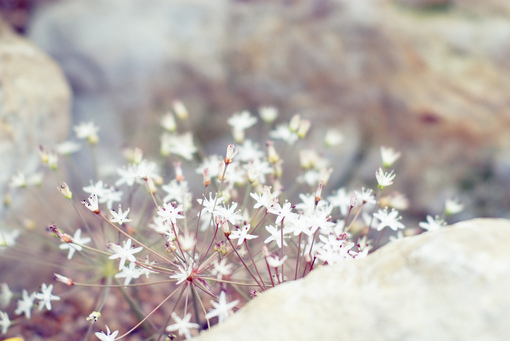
34,104
451,284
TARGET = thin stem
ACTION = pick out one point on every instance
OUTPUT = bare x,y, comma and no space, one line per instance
254,265
246,266
152,312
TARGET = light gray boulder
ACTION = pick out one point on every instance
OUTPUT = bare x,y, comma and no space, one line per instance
34,104
450,284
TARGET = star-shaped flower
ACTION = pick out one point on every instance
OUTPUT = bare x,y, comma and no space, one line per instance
73,247
241,234
6,295
222,308
25,304
120,217
45,296
124,253
4,321
183,325
107,337
389,219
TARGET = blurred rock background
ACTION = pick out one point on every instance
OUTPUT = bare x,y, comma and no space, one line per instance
427,77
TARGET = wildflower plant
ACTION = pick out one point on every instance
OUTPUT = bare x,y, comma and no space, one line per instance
209,239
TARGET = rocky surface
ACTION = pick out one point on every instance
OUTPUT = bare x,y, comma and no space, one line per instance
425,76
450,284
34,104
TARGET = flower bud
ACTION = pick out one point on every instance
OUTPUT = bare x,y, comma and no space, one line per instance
66,192
180,110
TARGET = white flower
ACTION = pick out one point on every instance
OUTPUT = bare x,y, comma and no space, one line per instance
366,196
242,120
275,261
342,200
4,322
333,138
25,304
45,297
389,156
264,199
6,295
229,213
87,131
107,337
275,235
241,234
183,275
181,145
177,191
452,206
232,151
146,269
124,253
129,272
168,122
432,224
183,325
73,247
282,212
384,179
67,147
390,219
8,238
128,176
268,114
18,180
282,132
120,217
208,204
222,268
222,309
170,212
180,110
93,203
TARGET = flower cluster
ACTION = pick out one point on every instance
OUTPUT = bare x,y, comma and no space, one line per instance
256,219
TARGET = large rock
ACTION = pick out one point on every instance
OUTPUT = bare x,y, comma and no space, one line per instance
34,104
451,284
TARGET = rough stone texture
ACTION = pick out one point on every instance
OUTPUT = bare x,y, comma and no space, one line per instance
425,76
34,104
451,284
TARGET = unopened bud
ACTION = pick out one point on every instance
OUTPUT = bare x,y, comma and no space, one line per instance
65,238
66,280
66,192
304,126
353,201
43,154
223,224
180,110
231,152
294,123
179,176
168,122
151,186
207,177
318,194
94,316
272,156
